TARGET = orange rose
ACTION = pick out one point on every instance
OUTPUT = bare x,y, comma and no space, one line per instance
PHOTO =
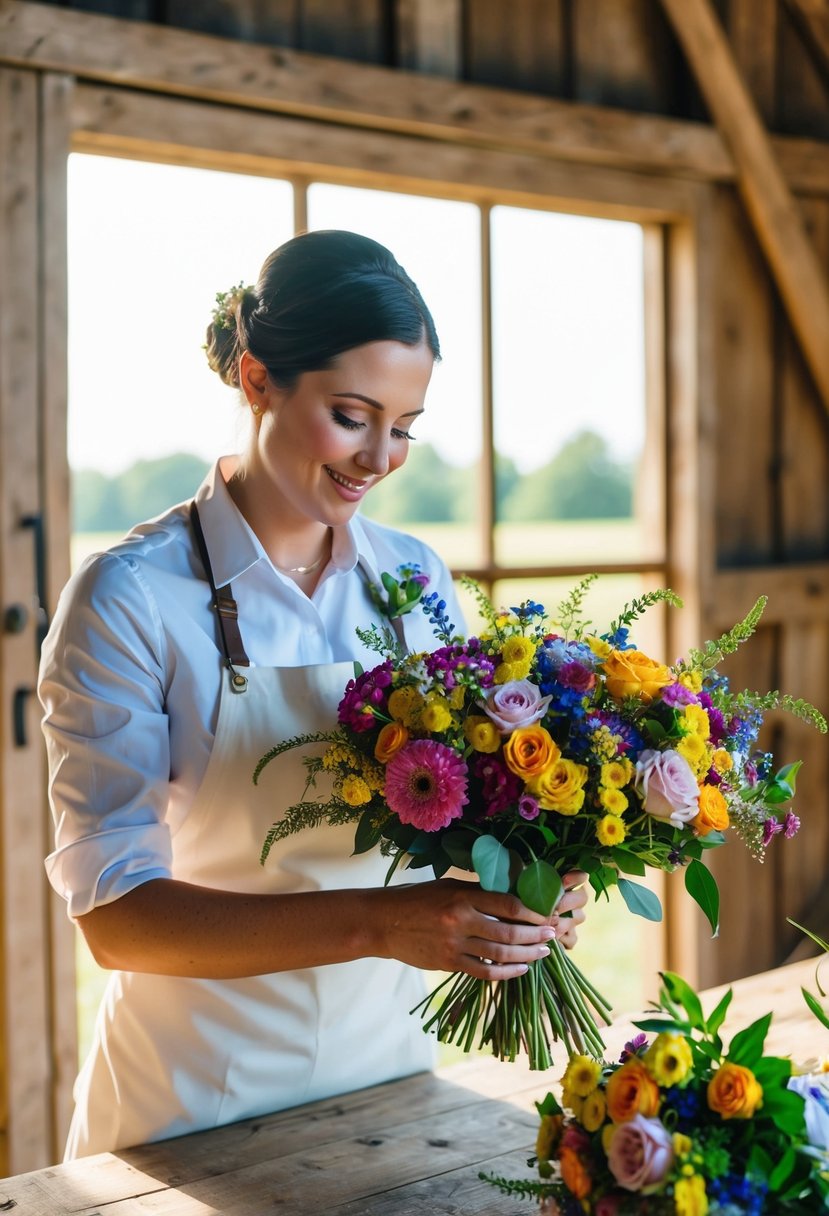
631,1090
734,1092
530,750
390,740
713,811
629,673
573,1173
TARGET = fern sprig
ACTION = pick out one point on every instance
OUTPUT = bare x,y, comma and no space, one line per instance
308,815
521,1188
632,611
569,611
715,652
381,641
804,710
320,736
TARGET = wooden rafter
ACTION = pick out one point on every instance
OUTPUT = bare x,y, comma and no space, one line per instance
770,204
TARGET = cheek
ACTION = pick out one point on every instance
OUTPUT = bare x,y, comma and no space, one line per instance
398,455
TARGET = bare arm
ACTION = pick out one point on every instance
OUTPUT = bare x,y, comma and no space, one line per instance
173,928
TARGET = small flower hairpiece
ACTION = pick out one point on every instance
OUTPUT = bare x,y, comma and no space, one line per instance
224,314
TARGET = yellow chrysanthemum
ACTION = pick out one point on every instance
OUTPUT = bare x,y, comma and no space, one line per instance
695,720
403,701
549,1135
613,800
518,649
610,830
505,672
692,680
607,1136
572,1101
599,647
582,1075
603,743
668,1059
690,1198
594,1111
682,1144
722,760
481,733
436,715
616,774
355,790
693,748
456,696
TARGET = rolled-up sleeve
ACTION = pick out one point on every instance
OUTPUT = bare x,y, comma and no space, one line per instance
102,688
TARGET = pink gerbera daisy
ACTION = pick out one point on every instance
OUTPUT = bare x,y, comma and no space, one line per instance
426,784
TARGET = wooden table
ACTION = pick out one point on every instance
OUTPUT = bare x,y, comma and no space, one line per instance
409,1148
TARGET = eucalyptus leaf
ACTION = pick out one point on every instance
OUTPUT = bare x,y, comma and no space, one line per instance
491,863
640,900
539,887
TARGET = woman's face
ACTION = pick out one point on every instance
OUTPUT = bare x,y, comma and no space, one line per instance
325,443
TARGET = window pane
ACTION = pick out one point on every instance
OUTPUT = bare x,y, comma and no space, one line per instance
438,243
569,388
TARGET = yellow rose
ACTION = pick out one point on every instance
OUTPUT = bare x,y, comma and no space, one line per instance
560,787
610,830
713,811
629,673
355,791
631,1090
594,1111
530,751
668,1059
734,1092
690,1198
481,733
390,740
582,1075
436,716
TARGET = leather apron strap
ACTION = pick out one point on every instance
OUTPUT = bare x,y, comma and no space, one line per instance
225,606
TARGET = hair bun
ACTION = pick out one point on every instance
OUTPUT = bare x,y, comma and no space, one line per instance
222,344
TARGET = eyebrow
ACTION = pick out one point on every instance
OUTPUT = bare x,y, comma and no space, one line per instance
378,405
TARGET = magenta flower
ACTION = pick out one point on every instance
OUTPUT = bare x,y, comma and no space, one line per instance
770,829
426,785
576,676
677,695
362,695
791,824
528,807
500,787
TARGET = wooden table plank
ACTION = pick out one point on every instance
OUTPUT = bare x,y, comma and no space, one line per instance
407,1148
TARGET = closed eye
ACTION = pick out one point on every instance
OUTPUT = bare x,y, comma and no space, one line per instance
398,434
350,424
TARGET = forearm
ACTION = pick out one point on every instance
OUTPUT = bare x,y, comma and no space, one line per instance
169,927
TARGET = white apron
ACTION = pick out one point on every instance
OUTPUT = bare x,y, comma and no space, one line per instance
174,1055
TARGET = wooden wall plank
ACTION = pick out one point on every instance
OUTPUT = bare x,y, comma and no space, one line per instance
812,19
752,33
797,592
428,36
349,29
55,118
525,48
25,1108
268,21
803,90
119,121
623,55
195,65
773,211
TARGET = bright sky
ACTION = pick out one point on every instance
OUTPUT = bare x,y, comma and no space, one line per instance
150,245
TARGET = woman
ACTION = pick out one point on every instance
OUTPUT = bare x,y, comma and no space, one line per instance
176,660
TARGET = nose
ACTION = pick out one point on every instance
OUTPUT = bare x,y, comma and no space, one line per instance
374,457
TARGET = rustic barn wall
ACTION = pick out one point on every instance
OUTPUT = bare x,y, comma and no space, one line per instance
761,429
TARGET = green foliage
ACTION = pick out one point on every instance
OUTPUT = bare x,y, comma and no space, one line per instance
539,887
580,482
116,504
491,862
702,887
632,611
569,612
715,652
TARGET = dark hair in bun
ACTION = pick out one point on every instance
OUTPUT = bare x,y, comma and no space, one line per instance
318,295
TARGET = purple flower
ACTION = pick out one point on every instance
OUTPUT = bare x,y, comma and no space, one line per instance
633,1047
677,695
770,829
575,675
528,807
361,695
501,788
426,785
791,824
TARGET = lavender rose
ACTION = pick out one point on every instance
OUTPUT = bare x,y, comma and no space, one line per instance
667,786
515,704
641,1153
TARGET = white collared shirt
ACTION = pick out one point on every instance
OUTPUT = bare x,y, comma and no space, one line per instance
130,673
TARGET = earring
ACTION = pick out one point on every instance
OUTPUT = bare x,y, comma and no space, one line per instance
255,408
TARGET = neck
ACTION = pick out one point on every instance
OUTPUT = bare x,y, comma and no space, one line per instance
296,545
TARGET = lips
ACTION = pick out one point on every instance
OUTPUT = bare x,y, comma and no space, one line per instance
353,487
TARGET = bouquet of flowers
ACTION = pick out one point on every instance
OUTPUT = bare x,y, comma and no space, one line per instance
534,749
681,1127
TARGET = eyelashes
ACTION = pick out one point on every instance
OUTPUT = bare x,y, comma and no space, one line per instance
349,424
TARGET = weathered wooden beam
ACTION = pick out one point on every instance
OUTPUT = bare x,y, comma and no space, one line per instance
796,592
779,226
429,36
812,19
267,78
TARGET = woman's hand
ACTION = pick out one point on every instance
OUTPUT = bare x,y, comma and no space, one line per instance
451,925
569,913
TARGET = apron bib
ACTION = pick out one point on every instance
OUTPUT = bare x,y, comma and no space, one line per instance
173,1055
